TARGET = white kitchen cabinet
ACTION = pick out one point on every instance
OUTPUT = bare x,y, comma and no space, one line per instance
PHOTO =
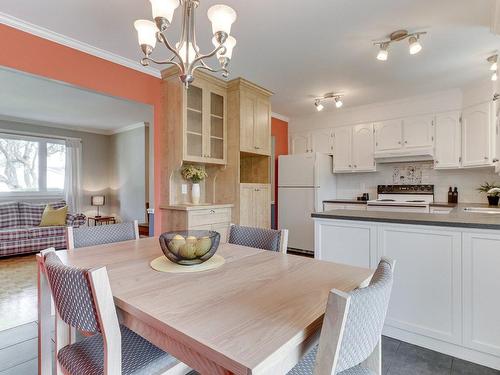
299,143
363,148
353,149
388,135
477,135
354,244
313,141
448,151
426,296
321,141
342,147
418,132
481,258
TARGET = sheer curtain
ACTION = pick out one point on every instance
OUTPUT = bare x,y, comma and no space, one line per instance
72,181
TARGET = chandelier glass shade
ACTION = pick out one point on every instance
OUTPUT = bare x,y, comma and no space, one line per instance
186,54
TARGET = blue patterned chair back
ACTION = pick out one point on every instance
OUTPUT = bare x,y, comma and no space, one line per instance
103,234
72,294
365,318
267,239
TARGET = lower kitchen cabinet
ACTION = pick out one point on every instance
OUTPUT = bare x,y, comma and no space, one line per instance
255,205
426,295
446,286
481,281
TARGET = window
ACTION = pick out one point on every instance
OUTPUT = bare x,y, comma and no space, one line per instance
31,165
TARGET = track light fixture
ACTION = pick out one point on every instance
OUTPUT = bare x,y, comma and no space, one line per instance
336,97
397,36
493,60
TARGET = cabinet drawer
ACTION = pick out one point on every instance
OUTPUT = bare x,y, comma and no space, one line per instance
222,228
211,216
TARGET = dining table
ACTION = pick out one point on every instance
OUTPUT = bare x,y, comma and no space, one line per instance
258,313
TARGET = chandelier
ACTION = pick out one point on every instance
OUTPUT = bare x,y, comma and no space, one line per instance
186,54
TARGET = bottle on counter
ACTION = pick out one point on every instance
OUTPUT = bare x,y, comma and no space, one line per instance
450,195
455,195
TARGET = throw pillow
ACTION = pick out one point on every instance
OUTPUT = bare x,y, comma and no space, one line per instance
54,216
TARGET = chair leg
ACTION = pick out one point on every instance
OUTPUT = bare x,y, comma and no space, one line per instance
44,340
374,361
63,338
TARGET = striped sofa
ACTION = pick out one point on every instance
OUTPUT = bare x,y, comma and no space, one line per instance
20,232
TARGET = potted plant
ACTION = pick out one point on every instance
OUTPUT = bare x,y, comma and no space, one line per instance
195,175
493,192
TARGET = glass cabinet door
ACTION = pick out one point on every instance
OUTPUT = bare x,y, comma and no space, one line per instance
216,140
194,122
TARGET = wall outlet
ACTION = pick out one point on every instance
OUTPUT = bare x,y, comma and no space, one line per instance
184,189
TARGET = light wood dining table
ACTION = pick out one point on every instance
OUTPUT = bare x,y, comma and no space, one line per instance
259,313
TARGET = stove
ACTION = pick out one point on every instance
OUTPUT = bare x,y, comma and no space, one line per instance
403,198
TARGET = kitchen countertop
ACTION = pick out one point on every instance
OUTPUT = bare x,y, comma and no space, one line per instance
456,218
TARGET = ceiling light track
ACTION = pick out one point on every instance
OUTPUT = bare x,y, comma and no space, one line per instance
337,98
398,36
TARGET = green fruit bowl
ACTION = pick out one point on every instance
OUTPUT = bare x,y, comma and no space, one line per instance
189,248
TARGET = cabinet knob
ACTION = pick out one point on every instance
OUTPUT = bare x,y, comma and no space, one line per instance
495,160
399,142
355,166
212,211
436,161
486,158
406,142
350,165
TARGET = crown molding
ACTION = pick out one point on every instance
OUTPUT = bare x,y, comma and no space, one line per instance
280,117
75,44
128,128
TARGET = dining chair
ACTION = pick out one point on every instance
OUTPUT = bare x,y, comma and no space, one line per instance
261,238
101,234
83,300
350,340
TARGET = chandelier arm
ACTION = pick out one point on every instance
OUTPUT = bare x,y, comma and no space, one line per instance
145,60
202,57
165,41
206,67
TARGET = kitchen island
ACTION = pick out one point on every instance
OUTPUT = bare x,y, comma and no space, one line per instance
446,294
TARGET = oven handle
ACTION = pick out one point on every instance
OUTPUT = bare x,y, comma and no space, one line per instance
397,205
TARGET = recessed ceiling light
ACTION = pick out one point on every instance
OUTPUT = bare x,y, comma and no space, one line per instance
415,46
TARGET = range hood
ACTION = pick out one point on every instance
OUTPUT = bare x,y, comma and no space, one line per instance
405,155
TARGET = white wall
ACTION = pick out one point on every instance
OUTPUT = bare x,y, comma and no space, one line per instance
420,105
128,174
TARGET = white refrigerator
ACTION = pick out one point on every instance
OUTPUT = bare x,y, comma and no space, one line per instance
304,182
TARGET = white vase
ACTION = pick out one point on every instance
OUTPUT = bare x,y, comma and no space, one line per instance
195,194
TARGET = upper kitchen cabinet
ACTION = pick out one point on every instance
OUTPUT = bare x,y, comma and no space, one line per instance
413,136
314,141
388,135
477,131
197,118
255,119
418,132
447,154
353,149
363,147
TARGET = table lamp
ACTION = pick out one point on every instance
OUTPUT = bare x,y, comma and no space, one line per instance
97,200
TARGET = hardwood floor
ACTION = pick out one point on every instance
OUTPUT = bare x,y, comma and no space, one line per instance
18,293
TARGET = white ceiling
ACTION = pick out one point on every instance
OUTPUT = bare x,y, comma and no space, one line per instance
302,49
39,100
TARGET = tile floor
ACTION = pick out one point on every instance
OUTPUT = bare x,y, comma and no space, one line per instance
18,294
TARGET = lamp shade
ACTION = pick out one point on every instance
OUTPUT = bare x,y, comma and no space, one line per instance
98,200
222,17
146,32
164,8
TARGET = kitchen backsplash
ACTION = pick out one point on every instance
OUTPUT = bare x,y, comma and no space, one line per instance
351,185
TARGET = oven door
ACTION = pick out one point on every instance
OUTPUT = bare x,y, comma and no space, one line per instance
424,208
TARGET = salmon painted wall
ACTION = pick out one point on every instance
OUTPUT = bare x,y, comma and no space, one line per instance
31,54
279,130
